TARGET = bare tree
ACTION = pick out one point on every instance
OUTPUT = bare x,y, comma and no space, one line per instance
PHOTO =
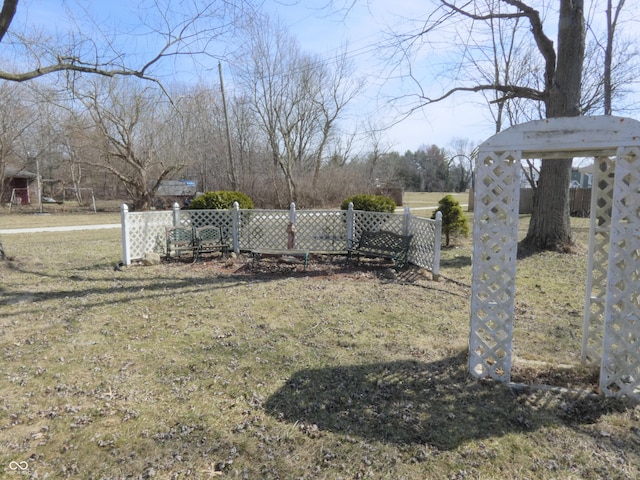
619,68
376,144
461,160
184,31
337,88
250,149
16,117
127,125
177,32
199,128
558,89
522,83
297,98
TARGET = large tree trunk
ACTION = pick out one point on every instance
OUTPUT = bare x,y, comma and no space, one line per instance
550,227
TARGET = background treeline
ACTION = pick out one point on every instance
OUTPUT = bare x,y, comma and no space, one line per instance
122,138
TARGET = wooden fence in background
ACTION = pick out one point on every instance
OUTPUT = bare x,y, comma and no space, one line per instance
579,198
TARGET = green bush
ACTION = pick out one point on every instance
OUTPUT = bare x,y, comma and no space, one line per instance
370,203
454,221
220,200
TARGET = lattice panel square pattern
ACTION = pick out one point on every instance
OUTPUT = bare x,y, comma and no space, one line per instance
611,328
493,286
598,258
620,371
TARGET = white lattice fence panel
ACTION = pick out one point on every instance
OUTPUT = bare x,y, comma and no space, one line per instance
494,265
316,231
601,204
147,232
620,371
263,229
215,218
374,221
322,230
424,244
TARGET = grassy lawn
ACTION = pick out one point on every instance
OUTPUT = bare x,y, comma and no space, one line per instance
216,370
54,215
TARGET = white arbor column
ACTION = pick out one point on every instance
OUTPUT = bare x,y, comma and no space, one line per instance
599,239
620,370
495,235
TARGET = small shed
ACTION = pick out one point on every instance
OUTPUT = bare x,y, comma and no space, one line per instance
175,191
611,331
19,186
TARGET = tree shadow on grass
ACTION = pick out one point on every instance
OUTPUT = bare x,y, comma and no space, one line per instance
411,402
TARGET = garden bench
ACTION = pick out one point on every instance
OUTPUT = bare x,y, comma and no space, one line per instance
180,241
258,253
384,244
209,239
195,241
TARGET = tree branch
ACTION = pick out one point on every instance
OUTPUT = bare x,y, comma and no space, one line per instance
545,44
509,91
69,65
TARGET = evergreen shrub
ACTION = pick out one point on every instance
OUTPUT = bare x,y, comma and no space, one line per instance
370,203
454,221
220,200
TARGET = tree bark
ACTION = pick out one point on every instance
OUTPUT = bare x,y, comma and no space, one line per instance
7,13
550,226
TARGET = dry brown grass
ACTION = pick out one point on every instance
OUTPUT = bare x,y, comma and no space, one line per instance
223,370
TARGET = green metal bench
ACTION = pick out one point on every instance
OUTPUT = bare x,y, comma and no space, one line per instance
209,239
382,244
180,241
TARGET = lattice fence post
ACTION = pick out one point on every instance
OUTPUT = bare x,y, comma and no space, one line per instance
235,227
406,220
291,227
292,213
495,238
599,237
350,221
620,370
437,245
126,247
176,214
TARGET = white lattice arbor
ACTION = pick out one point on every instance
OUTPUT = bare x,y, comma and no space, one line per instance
612,306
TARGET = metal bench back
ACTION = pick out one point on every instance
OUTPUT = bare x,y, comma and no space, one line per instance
384,241
209,235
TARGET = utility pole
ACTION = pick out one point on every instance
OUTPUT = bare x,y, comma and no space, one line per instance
232,169
39,183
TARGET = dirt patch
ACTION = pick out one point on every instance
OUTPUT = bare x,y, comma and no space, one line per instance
318,266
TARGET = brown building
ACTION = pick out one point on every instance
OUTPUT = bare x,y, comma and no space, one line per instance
19,186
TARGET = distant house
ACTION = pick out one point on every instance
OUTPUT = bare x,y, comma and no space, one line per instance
582,177
19,186
174,191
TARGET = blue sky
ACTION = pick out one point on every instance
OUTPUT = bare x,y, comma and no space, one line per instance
362,30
